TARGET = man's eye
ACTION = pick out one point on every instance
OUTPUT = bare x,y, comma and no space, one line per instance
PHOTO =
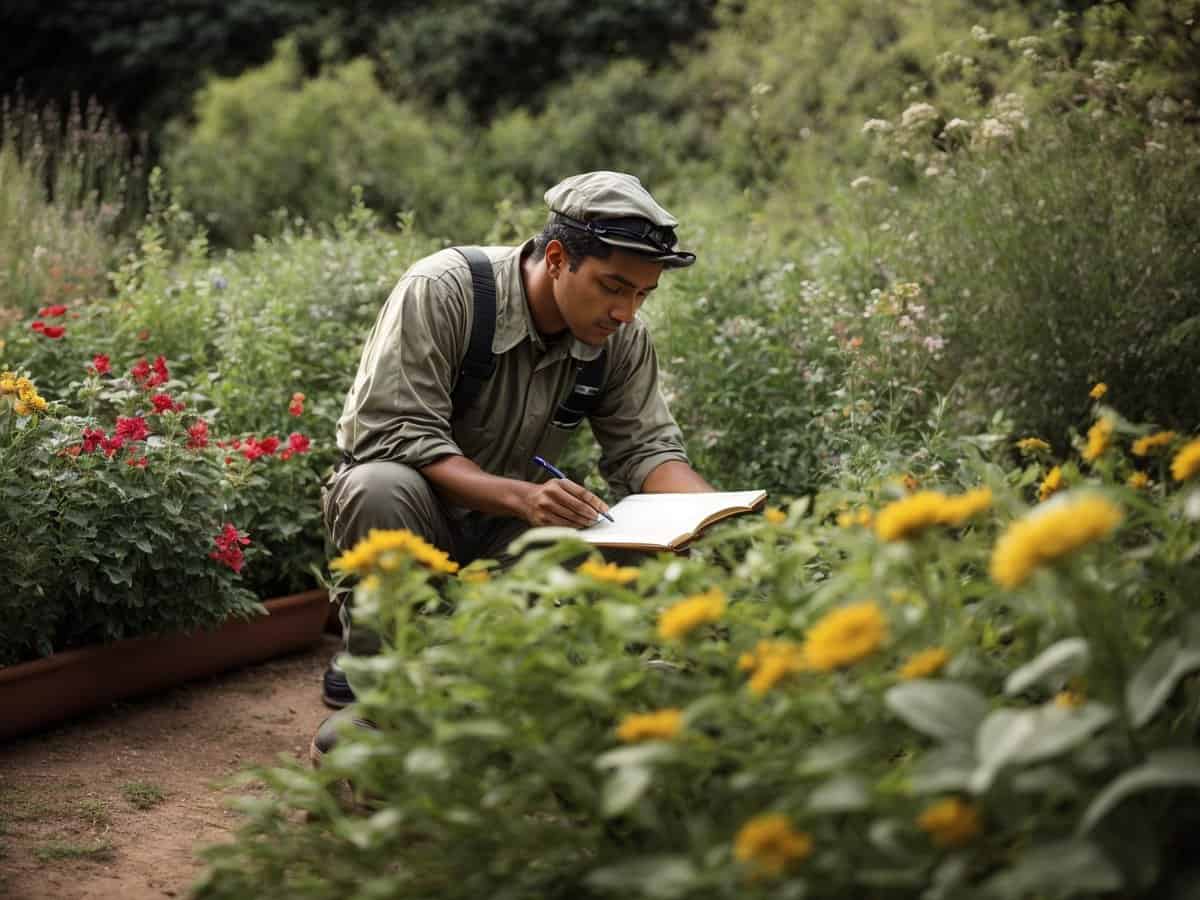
610,289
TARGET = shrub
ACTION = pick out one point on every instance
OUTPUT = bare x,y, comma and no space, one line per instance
961,699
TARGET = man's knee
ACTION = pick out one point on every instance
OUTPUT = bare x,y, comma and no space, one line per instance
385,495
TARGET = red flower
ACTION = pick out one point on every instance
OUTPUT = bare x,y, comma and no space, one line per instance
150,376
100,365
52,312
229,545
54,332
269,445
286,453
144,334
296,407
198,435
298,443
38,326
132,429
140,370
112,445
73,450
93,439
163,403
136,461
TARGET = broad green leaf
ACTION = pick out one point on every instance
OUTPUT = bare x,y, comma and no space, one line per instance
636,755
625,787
658,877
830,756
1014,737
1064,868
428,762
944,710
1177,767
1154,682
842,793
1058,661
945,768
485,729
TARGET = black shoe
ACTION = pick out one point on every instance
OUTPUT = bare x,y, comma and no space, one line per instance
335,689
327,733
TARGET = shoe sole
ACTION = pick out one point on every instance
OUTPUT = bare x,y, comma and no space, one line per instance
334,702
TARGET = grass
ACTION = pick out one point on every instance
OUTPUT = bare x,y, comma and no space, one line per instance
143,794
100,851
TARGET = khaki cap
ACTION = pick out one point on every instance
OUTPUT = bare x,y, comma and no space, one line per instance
615,208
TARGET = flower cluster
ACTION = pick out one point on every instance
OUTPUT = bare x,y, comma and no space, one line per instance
609,572
687,615
252,448
21,393
228,547
150,375
656,726
128,431
53,332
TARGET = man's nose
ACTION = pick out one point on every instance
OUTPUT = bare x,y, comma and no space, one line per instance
623,310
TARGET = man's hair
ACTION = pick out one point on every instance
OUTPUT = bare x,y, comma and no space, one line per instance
578,244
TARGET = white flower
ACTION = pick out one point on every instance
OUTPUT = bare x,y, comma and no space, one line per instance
1010,109
934,343
981,34
872,126
956,125
917,114
862,182
993,131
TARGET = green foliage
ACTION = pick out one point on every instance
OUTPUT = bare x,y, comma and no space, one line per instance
69,186
272,139
108,541
508,759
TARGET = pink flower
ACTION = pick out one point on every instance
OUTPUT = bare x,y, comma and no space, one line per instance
296,407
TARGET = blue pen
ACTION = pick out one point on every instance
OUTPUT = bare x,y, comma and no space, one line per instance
553,470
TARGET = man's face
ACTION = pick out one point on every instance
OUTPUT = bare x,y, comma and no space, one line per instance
604,294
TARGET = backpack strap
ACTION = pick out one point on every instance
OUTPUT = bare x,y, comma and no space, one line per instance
585,394
479,363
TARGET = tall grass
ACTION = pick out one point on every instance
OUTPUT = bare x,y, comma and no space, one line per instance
71,183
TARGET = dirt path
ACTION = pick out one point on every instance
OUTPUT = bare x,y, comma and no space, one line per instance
115,804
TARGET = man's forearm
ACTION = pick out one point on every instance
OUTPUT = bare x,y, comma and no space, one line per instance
675,477
463,483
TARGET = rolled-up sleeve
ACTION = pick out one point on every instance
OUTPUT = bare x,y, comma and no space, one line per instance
399,407
635,429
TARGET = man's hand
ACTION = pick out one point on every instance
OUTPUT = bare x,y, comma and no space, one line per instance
562,502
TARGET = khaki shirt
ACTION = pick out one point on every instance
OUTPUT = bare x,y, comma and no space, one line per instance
399,408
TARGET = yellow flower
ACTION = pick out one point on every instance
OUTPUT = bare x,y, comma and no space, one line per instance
957,509
384,549
1051,532
771,662
1051,484
1152,443
688,614
916,512
1069,699
1187,461
775,515
950,823
1098,390
474,576
927,662
22,408
610,572
8,383
861,516
1138,480
656,726
1099,437
769,843
1032,445
845,636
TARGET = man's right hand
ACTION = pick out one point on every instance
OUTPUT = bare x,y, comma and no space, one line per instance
562,502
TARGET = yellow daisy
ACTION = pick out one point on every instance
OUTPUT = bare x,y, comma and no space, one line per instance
775,515
769,663
845,636
1098,390
950,822
610,572
925,663
1051,532
688,614
1138,480
1032,445
1187,461
770,844
1051,484
655,726
1099,437
1152,443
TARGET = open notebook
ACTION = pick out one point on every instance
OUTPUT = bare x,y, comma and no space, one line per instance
667,521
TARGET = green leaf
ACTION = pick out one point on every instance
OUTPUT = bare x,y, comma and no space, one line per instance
944,710
831,756
636,755
1064,868
945,768
1153,683
842,793
1176,767
625,788
1057,662
660,877
1012,737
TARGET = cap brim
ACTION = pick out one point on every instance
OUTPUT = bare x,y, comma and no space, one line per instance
679,259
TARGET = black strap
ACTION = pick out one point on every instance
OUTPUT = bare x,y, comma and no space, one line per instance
584,395
479,363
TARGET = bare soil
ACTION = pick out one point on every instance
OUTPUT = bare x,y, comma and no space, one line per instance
117,803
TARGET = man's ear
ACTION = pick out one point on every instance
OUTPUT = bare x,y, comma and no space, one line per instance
556,256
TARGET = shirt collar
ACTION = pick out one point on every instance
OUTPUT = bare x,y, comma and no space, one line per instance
514,320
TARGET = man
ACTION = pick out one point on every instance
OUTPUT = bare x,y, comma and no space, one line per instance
462,475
